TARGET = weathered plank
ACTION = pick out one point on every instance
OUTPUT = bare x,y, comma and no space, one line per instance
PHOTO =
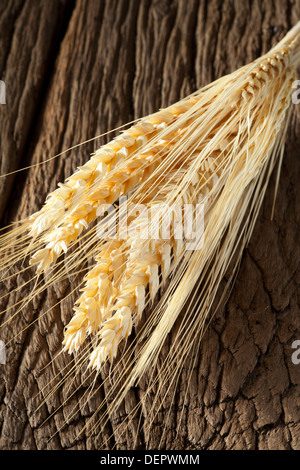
119,60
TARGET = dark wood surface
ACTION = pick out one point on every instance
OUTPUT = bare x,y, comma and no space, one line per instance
75,69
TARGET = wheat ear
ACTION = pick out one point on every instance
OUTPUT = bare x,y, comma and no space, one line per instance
260,100
114,170
123,289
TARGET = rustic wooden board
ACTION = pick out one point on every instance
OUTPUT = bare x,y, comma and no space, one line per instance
77,69
28,48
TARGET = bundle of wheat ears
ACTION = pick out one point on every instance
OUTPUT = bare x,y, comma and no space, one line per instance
215,148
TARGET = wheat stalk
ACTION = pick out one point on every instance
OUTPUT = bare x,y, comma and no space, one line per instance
218,146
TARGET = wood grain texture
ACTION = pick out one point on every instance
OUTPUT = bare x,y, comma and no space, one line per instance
102,64
27,49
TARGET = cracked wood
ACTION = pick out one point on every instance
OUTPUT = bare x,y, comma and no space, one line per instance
74,70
